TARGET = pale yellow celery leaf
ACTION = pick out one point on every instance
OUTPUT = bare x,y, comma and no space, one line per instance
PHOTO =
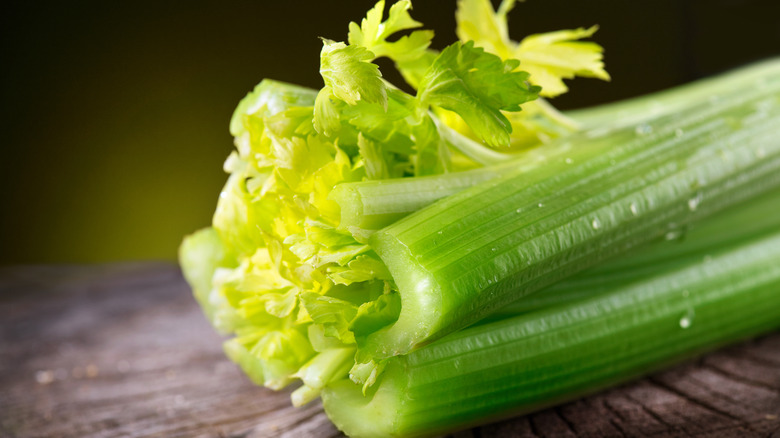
372,33
331,245
281,305
312,279
283,352
249,363
372,158
232,218
338,170
268,97
200,255
297,159
398,19
331,314
340,256
254,309
259,182
367,33
234,163
326,116
292,122
350,74
253,141
477,21
326,235
248,280
408,48
301,246
225,318
554,56
362,268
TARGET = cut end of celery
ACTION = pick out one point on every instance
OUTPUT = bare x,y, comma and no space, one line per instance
373,415
421,302
361,219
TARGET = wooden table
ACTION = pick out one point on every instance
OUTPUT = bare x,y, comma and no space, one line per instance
123,351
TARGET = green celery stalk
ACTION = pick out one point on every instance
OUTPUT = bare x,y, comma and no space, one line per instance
463,257
637,109
558,353
370,205
742,223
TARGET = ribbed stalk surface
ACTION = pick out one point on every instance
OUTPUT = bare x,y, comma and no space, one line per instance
534,360
461,258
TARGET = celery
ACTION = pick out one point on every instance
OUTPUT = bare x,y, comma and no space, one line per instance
739,224
274,270
370,205
634,110
523,363
463,257
303,291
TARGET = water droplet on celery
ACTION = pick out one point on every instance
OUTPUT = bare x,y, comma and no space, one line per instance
687,320
518,210
595,223
674,232
493,249
694,202
634,209
540,205
643,129
439,232
569,160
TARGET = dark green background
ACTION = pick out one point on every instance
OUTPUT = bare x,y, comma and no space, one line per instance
114,115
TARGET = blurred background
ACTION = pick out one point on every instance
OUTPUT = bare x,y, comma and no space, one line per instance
115,114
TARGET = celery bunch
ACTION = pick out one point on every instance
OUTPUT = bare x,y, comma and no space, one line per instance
277,269
358,224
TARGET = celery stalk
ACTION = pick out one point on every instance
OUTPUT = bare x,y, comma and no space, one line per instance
739,224
524,363
634,110
370,205
461,258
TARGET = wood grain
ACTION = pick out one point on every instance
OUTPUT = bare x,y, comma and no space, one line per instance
123,351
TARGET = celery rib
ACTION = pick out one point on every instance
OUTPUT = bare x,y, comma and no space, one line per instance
491,244
383,204
544,357
739,224
637,109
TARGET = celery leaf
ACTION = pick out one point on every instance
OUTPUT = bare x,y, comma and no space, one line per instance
477,85
350,74
372,33
553,56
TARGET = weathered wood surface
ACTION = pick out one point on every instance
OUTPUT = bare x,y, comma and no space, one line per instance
123,351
